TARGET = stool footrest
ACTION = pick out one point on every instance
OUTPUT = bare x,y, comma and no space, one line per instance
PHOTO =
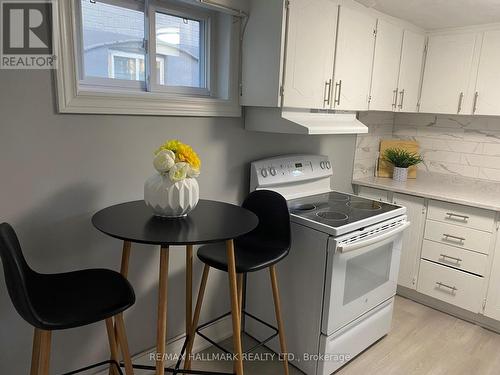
247,314
86,368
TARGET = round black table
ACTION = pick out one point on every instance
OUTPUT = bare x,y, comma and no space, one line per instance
210,221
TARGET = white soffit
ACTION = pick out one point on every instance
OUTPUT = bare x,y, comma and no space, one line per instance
439,14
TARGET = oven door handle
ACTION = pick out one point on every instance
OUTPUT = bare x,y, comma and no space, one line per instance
370,241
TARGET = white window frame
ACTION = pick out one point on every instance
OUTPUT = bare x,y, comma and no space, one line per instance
205,55
101,95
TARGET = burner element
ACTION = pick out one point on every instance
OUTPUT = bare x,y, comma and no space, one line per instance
332,215
303,207
365,206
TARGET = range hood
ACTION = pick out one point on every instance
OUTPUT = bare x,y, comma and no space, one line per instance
277,120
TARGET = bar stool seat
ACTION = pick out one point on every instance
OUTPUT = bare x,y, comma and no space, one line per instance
248,258
74,299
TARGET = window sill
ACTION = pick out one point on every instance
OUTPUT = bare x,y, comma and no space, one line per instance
145,103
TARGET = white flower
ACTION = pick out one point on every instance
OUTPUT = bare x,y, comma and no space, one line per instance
179,171
193,172
164,160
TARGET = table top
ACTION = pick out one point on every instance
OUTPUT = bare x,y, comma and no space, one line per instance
210,221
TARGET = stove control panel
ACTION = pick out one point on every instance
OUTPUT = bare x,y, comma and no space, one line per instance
289,169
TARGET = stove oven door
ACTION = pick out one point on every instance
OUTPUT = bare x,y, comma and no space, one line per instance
362,273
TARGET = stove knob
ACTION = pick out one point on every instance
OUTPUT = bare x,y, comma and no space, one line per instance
328,165
263,172
272,170
322,165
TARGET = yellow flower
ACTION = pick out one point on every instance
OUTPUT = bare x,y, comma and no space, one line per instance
183,153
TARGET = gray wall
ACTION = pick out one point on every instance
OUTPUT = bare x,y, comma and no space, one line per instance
57,170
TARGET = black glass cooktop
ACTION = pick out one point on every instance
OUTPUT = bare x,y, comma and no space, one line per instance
337,209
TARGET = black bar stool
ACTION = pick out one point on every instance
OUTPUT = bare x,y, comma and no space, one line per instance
52,302
262,248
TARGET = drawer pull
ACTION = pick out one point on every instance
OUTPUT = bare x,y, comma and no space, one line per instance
451,215
444,256
452,288
450,236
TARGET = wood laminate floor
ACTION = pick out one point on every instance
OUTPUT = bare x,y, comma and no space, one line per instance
423,341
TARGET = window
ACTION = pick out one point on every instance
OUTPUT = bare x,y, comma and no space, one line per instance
170,53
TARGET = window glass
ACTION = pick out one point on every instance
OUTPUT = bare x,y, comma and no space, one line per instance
112,41
179,51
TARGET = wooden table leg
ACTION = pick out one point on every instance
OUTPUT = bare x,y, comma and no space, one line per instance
189,287
235,310
127,246
161,332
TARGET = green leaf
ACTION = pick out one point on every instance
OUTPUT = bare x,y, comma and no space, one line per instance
402,158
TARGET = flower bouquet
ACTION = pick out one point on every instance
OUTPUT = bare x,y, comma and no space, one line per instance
173,191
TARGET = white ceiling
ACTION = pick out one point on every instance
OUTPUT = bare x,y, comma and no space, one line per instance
437,14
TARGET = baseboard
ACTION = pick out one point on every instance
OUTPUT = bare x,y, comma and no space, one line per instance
478,319
218,332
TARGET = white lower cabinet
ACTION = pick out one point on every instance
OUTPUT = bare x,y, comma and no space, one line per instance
412,239
449,285
492,308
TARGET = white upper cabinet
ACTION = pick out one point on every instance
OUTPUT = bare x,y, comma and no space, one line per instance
384,90
353,59
310,53
487,95
449,72
410,72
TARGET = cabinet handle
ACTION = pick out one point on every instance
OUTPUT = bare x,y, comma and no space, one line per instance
460,100
447,236
328,92
395,98
474,108
462,217
444,256
402,94
339,86
452,288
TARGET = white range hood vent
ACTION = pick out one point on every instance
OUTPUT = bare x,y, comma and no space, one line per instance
276,120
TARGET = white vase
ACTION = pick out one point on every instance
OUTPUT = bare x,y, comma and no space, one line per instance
400,174
171,199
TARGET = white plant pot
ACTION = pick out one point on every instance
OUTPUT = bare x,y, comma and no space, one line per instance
171,199
400,174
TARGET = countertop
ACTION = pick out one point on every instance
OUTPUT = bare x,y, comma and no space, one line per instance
449,188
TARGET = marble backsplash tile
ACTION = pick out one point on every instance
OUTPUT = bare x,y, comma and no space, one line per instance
467,146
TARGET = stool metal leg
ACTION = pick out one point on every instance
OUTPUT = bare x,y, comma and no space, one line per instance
45,343
189,287
162,311
277,308
235,309
196,317
35,357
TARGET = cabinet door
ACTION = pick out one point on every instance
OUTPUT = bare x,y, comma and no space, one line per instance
448,71
410,73
310,53
492,308
412,239
353,59
384,90
488,79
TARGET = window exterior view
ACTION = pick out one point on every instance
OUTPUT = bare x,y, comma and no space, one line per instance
114,46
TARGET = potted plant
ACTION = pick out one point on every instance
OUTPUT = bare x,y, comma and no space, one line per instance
173,191
401,160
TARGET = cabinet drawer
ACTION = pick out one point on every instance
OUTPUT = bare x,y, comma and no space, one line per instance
455,235
470,217
455,257
458,288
